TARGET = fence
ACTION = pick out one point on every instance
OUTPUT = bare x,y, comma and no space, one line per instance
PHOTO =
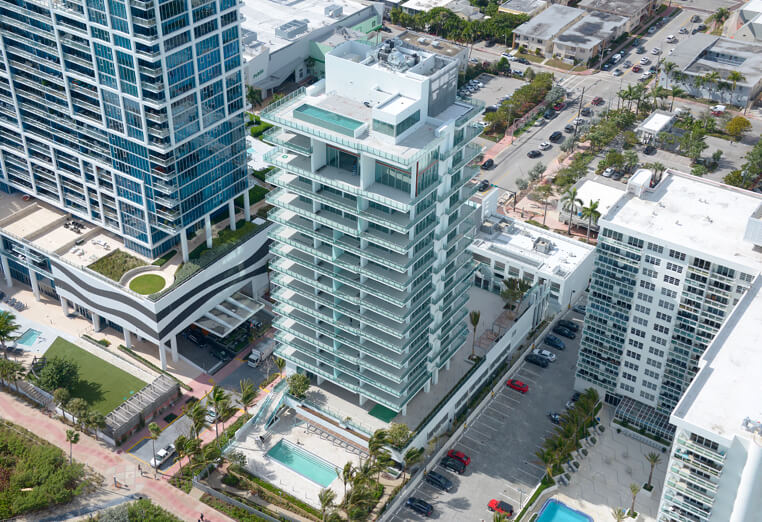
233,502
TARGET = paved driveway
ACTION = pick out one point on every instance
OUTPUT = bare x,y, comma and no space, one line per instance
501,443
143,450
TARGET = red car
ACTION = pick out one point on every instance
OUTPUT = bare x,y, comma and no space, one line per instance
636,68
597,100
518,385
501,507
559,106
459,455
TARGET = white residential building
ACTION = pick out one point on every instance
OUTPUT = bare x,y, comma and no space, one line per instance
715,466
373,220
674,257
506,248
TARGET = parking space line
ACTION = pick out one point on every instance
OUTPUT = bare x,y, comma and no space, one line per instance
467,436
485,425
485,418
530,372
535,466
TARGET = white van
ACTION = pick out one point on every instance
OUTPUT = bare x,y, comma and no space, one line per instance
255,357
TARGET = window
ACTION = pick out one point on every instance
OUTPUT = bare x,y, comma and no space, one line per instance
667,305
639,321
698,439
637,332
647,396
393,177
661,329
649,273
663,317
655,248
658,340
629,377
647,285
649,385
652,260
633,355
642,309
627,387
653,362
655,351
675,268
645,297
671,280
341,159
635,242
631,366
747,278
668,293
635,344
677,255
652,374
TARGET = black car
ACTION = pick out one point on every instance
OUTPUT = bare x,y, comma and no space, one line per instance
617,175
695,19
483,185
569,128
453,465
540,361
640,50
564,332
490,43
488,164
385,29
523,61
701,27
586,111
534,154
556,136
439,481
554,417
649,150
420,506
555,342
549,114
570,325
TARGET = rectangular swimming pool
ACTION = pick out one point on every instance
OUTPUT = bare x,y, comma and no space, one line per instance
29,337
327,119
556,511
309,466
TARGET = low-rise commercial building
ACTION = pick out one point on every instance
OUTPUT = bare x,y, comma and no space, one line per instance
277,38
715,466
657,122
749,22
523,7
505,248
605,192
462,8
588,37
636,11
702,54
538,34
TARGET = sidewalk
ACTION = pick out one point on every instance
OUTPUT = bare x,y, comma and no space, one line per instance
110,465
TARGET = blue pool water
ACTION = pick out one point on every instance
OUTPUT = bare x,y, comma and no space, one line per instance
250,151
303,462
29,337
327,119
555,511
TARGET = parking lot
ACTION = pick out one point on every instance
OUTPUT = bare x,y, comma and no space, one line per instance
502,441
496,87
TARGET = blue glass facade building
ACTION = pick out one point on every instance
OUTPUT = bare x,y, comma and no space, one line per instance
128,114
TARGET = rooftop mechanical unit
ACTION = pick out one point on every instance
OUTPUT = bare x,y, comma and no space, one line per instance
292,29
334,11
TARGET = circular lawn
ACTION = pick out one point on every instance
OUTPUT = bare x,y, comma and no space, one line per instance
147,284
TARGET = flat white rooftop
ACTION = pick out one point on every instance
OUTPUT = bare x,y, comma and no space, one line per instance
727,388
265,16
425,5
606,195
693,213
656,122
516,241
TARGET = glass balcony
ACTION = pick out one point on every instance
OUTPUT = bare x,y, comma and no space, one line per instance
690,461
469,133
282,199
466,212
288,140
675,499
685,489
718,456
476,108
470,152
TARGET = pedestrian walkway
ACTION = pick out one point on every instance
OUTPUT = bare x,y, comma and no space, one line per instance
113,467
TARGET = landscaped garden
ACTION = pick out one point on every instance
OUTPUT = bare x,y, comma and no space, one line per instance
138,511
34,474
116,264
147,284
99,384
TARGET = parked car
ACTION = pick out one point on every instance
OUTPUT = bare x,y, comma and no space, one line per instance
523,61
683,30
542,362
465,459
564,332
618,72
580,309
695,19
597,101
490,43
636,68
550,356
559,106
569,128
556,136
554,417
438,481
488,164
549,114
534,153
607,66
574,398
578,121
453,465
517,385
555,342
545,145
671,38
571,325
508,56
645,61
627,64
419,506
483,185
649,150
499,506
586,111
608,172
652,29
655,51
162,455
617,175
701,27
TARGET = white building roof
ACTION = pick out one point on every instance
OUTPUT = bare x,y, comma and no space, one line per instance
263,17
727,388
692,213
255,150
606,195
549,23
515,241
656,122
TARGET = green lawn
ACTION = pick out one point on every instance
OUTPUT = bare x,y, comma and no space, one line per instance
101,384
116,264
147,284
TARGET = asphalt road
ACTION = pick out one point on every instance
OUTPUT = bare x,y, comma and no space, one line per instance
502,442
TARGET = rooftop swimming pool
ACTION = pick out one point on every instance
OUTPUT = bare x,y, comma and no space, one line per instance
29,337
556,511
327,119
309,466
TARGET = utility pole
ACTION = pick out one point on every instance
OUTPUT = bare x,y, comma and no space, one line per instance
579,112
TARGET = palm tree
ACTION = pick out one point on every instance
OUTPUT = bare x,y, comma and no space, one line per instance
253,96
653,459
659,92
634,490
473,318
220,402
280,363
571,201
8,328
376,443
248,395
543,193
72,437
675,92
412,456
719,16
181,443
197,414
548,459
499,517
153,433
346,475
618,514
326,498
192,448
734,77
668,67
514,292
712,77
11,371
592,214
